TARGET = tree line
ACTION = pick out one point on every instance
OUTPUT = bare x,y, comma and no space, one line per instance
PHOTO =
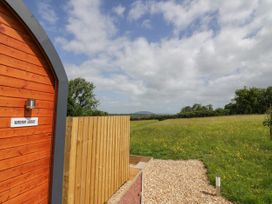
248,100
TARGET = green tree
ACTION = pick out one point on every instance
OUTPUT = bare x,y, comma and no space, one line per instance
268,121
250,100
186,109
81,98
231,108
209,107
197,107
267,100
197,110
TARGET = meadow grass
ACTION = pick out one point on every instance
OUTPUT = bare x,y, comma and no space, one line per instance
237,148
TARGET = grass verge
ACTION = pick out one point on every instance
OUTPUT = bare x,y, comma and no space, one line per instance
235,147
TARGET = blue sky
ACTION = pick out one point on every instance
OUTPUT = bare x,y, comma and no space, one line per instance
161,55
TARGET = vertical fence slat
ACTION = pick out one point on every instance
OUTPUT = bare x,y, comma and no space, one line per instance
89,161
110,186
99,162
65,189
125,149
116,152
121,150
106,159
117,149
72,173
70,160
79,160
128,142
84,159
96,158
105,167
102,160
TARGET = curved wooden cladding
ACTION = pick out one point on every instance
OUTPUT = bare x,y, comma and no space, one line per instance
16,31
13,52
11,142
24,84
25,152
16,132
20,102
17,48
21,64
24,93
11,42
17,112
24,75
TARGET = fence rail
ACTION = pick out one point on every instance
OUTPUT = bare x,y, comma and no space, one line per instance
96,158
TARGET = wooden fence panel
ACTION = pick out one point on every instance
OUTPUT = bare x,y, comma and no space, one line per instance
96,158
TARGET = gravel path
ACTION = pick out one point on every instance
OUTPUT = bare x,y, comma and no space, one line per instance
174,182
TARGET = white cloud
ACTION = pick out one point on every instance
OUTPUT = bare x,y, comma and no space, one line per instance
91,30
119,10
162,76
138,9
46,12
147,24
181,15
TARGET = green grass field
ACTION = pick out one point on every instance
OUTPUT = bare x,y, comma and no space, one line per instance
235,147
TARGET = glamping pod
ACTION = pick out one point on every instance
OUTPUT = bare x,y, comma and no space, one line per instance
33,93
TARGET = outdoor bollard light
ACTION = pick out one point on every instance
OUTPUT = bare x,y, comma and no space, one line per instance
218,185
30,103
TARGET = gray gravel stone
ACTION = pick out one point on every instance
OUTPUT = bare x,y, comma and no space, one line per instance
174,182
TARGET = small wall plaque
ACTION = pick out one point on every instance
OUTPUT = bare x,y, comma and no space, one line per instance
23,122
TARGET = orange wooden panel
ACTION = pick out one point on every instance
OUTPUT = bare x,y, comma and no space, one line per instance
19,45
24,187
18,180
6,50
21,112
23,93
20,102
14,28
5,122
23,169
25,149
15,41
23,84
21,131
25,153
23,140
14,33
44,200
22,65
21,74
6,18
31,196
18,161
20,32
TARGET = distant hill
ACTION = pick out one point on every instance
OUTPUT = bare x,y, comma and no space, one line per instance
143,113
